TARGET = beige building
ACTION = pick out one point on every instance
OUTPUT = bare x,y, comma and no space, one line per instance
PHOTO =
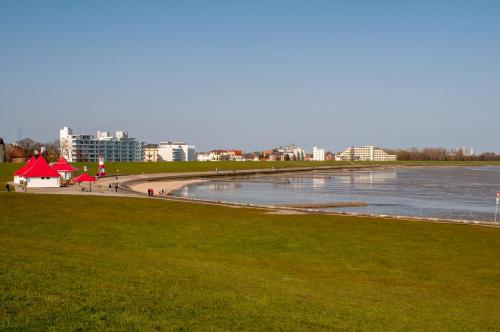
366,153
151,152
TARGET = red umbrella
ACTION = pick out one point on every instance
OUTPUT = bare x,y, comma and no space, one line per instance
85,178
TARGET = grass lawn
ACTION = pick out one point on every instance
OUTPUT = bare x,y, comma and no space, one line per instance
87,263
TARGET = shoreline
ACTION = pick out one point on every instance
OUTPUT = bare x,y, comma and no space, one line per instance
166,187
179,184
136,186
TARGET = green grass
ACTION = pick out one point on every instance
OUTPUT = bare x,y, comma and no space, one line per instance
91,263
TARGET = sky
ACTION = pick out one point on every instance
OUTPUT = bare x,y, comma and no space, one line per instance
254,74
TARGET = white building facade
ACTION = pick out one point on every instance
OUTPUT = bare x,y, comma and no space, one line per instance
318,154
203,156
365,153
87,148
176,151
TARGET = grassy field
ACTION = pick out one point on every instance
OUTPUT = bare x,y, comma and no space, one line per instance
7,170
87,263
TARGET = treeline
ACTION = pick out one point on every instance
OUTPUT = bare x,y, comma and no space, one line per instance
27,147
441,154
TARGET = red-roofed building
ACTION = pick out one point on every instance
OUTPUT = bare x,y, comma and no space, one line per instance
64,168
18,175
227,155
40,175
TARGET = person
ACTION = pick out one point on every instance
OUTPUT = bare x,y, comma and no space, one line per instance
7,187
152,193
149,192
116,188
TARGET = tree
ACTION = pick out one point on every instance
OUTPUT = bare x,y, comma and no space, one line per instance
27,147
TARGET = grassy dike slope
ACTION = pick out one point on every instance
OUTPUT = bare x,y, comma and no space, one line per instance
85,263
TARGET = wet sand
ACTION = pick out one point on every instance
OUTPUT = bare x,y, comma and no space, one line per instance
168,187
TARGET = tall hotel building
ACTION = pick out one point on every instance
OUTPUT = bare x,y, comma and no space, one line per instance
88,148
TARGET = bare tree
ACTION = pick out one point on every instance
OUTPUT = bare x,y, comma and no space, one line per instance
26,146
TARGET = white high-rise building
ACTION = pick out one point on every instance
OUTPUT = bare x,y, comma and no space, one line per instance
176,151
84,147
318,154
366,153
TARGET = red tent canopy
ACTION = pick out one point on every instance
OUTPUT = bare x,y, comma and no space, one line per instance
40,168
25,167
63,166
84,178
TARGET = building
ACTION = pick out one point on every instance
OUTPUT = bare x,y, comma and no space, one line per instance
64,169
176,151
226,155
318,154
2,151
463,152
18,175
288,152
365,153
329,156
151,152
202,156
87,148
38,174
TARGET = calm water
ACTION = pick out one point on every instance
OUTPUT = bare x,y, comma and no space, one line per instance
457,193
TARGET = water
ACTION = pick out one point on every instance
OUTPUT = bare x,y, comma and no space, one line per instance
451,193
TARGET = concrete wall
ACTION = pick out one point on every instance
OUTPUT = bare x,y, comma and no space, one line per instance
43,183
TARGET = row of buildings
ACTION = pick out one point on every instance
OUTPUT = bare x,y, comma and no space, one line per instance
120,147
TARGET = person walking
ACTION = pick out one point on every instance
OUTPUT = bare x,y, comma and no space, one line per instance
149,192
152,193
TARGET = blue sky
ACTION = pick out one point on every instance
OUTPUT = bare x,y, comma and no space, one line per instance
254,74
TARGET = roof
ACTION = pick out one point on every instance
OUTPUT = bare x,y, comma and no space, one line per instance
25,167
40,168
237,152
63,166
84,178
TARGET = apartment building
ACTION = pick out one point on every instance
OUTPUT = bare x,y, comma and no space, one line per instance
366,153
176,151
88,148
318,154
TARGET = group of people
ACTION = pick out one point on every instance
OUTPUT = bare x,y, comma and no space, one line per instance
151,192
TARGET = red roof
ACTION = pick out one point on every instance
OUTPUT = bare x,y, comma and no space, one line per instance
63,166
84,178
237,152
40,168
25,167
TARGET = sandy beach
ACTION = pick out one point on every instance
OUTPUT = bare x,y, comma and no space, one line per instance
166,186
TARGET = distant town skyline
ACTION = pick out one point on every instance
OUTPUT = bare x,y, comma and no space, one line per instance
252,75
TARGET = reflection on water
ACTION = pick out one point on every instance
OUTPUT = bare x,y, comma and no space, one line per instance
460,193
